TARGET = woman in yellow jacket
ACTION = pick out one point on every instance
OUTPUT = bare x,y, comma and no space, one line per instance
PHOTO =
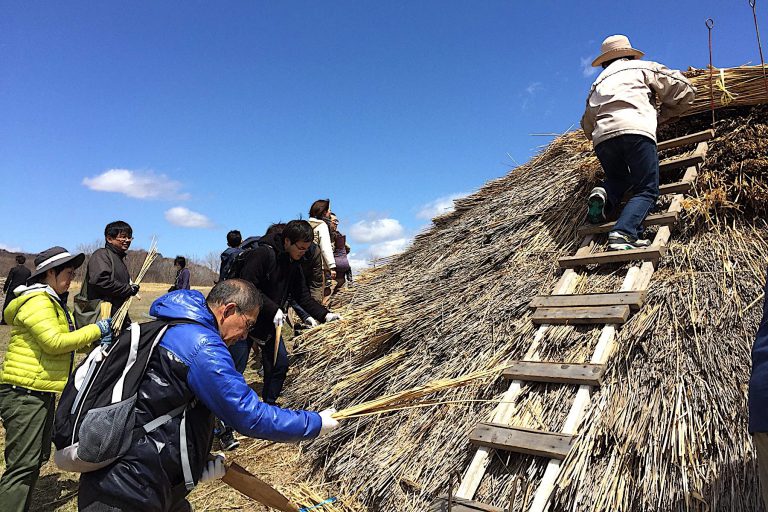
38,361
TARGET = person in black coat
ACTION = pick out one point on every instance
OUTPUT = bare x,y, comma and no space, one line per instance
757,399
106,277
17,276
274,268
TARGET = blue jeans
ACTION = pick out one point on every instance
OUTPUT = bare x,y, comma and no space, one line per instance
274,374
631,164
240,352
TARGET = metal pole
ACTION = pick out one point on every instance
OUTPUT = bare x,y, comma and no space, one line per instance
710,23
759,44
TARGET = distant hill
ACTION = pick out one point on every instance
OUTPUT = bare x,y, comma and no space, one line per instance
162,270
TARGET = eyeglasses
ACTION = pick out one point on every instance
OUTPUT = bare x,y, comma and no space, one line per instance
249,324
124,238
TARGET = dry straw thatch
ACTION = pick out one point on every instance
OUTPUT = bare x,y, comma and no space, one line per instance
667,430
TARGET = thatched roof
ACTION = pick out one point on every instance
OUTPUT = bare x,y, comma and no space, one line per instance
666,431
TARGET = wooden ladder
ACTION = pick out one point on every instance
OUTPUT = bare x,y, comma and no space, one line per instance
564,307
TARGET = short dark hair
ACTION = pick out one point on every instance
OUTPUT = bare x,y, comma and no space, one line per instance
298,231
234,238
277,227
319,207
180,261
609,62
113,229
21,259
243,293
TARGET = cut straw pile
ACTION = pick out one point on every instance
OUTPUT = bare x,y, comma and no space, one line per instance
667,431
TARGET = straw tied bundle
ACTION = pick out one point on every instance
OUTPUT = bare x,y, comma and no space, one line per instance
117,320
731,87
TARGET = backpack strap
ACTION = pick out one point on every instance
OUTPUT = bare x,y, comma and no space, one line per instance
161,420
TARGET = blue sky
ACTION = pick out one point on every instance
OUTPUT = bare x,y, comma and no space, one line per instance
210,116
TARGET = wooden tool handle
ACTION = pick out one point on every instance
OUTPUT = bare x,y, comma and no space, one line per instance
278,334
240,479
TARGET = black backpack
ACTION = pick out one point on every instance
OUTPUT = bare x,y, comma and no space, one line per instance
248,246
96,415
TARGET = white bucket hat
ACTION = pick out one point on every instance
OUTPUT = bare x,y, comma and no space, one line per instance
615,47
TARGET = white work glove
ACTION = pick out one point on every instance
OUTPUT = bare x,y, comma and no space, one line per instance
328,422
279,318
332,317
214,469
312,322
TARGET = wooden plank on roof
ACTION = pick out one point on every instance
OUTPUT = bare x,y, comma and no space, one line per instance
553,445
686,139
652,253
581,315
658,219
562,373
632,299
695,158
460,505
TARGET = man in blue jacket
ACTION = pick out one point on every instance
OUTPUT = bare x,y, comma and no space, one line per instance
192,366
758,399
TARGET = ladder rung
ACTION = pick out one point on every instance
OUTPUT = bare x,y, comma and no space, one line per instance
652,253
632,299
460,505
558,373
677,162
659,219
553,445
686,139
581,315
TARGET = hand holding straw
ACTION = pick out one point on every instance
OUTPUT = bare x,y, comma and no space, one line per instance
119,318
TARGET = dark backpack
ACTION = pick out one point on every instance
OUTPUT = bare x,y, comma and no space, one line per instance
95,422
248,246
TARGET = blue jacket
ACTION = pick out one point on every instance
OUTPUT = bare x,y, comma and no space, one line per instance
758,380
191,366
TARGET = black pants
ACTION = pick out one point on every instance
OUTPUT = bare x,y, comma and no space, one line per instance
274,373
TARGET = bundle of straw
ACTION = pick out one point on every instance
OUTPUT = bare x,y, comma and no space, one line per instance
410,397
119,318
731,87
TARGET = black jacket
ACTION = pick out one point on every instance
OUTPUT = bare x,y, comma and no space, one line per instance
107,277
270,268
17,276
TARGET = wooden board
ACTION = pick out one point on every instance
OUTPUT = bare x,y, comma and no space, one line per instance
547,371
658,219
553,445
678,187
581,315
686,139
239,478
460,505
695,158
632,299
601,258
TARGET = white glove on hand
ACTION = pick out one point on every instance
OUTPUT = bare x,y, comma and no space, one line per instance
279,318
312,322
332,317
214,469
328,422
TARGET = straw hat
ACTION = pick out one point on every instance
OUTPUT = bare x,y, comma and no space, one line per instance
55,257
615,47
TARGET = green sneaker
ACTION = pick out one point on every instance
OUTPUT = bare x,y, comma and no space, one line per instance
596,205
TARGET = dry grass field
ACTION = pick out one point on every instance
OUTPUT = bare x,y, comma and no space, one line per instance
275,463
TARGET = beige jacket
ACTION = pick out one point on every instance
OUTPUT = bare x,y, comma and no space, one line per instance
323,240
624,96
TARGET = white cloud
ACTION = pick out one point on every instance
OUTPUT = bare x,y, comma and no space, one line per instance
388,248
533,87
137,184
367,231
586,66
186,218
357,263
10,248
439,206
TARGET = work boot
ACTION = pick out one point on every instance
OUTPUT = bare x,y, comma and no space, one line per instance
618,241
596,205
227,440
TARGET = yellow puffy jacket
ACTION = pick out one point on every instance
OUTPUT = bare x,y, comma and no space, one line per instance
40,354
